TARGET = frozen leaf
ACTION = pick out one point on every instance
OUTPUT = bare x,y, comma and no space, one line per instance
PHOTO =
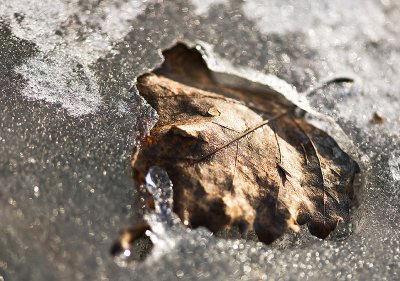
240,158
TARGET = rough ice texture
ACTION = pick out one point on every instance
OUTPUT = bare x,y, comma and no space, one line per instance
81,168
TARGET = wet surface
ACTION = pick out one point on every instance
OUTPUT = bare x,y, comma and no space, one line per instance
68,124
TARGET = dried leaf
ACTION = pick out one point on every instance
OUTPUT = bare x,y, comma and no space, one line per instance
239,157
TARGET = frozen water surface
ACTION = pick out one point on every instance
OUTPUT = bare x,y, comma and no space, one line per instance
68,124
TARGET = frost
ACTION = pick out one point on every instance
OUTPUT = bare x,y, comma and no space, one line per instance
66,82
69,38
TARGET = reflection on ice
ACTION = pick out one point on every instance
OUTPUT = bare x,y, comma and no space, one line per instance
162,221
161,225
394,165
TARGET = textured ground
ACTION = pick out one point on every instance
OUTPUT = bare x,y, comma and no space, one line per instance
67,124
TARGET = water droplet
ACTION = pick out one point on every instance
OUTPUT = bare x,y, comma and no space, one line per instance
127,253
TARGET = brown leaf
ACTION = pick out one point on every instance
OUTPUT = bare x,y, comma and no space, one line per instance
239,157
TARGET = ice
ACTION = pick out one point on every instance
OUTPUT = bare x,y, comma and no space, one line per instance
71,38
202,6
394,164
66,82
65,233
160,187
164,224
